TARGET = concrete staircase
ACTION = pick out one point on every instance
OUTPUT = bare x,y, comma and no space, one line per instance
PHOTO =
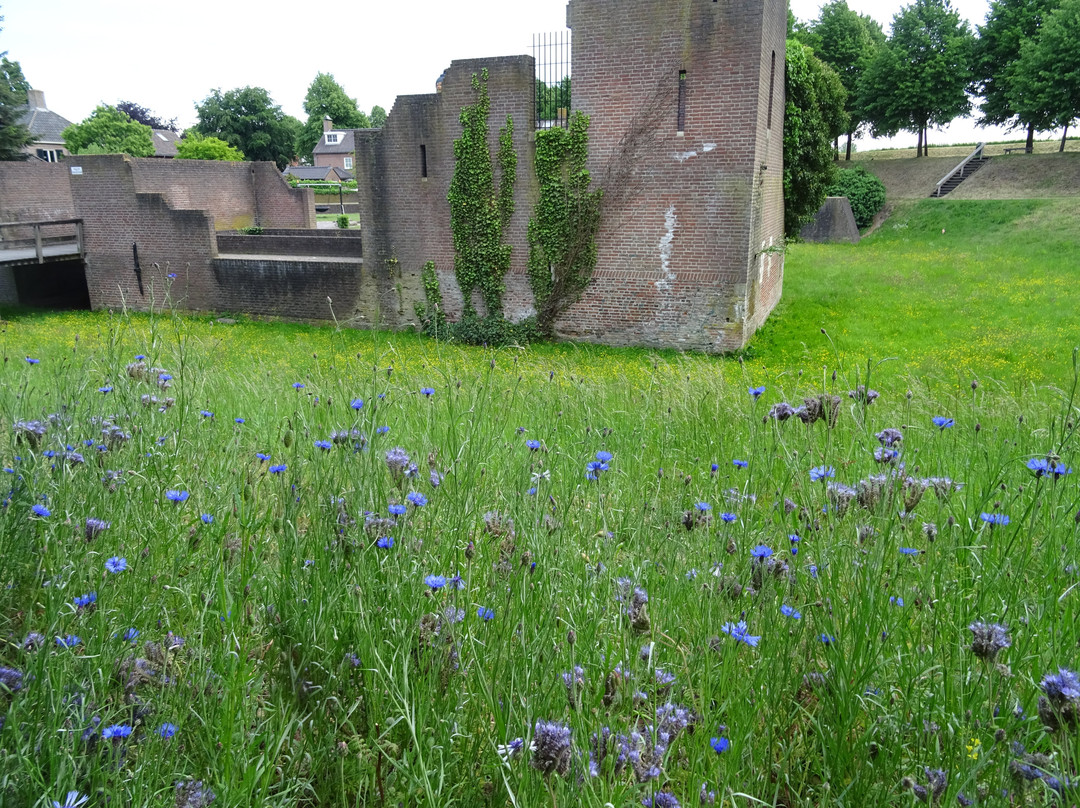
972,163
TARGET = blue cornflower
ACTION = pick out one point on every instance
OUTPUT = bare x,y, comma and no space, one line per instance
534,445
207,519
239,420
821,473
325,445
70,641
116,731
828,639
206,413
298,385
485,614
140,357
604,457
703,506
715,467
994,518
167,730
382,430
788,611
435,581
761,552
896,600
262,457
419,500
176,496
171,276
941,422
41,510
740,463
720,745
30,361
532,491
812,569
395,509
72,800
909,550
794,538
131,634
357,403
278,468
384,542
116,564
756,392
85,601
106,389
456,582
739,631
691,574
728,517
427,391
164,377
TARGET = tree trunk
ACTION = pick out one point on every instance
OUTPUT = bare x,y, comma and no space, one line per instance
848,158
836,148
1031,138
918,146
926,141
1064,135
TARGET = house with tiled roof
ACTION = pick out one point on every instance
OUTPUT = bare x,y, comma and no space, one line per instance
165,141
336,148
318,173
47,128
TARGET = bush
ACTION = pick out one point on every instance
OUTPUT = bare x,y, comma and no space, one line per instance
343,222
865,192
253,230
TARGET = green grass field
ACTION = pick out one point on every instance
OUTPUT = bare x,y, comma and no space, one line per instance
273,565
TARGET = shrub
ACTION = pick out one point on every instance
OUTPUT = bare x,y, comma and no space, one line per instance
343,222
253,230
864,190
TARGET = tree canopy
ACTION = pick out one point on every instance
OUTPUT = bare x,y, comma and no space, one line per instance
139,113
248,119
199,147
377,118
846,41
107,130
1044,83
326,98
920,78
813,117
13,134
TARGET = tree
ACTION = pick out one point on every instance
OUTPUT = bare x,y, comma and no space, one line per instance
1045,81
109,131
144,116
248,119
813,118
920,78
377,118
14,135
327,99
846,41
198,147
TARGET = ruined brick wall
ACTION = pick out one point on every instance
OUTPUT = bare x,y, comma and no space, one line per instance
406,216
684,258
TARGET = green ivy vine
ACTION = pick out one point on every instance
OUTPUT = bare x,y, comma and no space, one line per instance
562,231
478,211
430,313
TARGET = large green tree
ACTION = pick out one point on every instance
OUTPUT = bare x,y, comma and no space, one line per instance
920,77
137,112
107,130
846,41
198,147
377,118
813,118
13,134
327,99
248,119
1045,81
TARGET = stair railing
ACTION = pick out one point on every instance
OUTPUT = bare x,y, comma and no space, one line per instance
960,168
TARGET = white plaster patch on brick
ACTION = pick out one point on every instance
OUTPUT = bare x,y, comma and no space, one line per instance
682,157
707,147
666,244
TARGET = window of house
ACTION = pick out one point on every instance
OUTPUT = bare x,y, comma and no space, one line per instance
331,137
48,155
348,162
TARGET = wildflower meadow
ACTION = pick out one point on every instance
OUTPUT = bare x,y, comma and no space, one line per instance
385,572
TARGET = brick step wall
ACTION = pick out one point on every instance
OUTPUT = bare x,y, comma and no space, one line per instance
328,243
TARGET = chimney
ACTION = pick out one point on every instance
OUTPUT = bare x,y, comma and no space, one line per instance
35,99
327,124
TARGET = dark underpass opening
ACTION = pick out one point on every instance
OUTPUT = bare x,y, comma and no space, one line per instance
53,285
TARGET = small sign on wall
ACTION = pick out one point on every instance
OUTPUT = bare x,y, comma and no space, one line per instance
76,169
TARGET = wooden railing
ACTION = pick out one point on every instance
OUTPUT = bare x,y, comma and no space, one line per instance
40,240
963,163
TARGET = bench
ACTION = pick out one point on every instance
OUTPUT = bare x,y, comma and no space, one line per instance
1024,149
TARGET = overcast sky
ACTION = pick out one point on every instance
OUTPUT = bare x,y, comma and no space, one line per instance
169,56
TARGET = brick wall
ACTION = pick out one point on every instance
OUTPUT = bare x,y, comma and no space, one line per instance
35,192
287,288
406,215
684,257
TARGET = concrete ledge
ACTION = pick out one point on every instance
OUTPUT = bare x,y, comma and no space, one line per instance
834,223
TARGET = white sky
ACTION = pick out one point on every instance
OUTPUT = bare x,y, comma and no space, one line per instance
168,56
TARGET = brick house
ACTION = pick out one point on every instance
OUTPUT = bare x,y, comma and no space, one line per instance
47,128
336,148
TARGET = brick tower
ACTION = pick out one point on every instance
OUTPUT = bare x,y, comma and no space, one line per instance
686,99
